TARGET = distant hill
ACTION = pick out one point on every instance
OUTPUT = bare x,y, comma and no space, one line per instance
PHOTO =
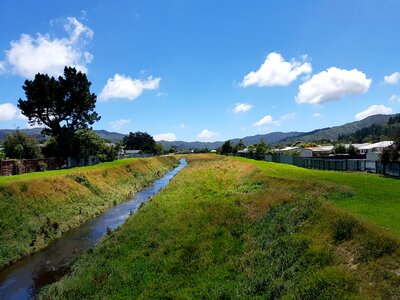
110,136
331,133
269,138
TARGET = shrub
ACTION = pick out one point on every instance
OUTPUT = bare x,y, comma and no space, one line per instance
343,229
375,246
42,166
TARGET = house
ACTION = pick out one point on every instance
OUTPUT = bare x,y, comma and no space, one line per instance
303,152
373,151
307,151
321,150
133,153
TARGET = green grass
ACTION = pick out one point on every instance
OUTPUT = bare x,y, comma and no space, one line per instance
368,196
225,229
38,207
64,172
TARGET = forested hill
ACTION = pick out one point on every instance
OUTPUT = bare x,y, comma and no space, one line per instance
333,133
376,126
375,132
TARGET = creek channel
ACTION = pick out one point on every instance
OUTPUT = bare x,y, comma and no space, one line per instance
23,279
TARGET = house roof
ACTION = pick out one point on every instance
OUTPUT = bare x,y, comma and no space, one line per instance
357,146
383,144
133,151
287,149
321,148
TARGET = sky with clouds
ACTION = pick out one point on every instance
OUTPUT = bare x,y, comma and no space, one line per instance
209,70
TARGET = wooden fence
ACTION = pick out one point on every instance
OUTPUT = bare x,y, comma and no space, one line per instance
21,166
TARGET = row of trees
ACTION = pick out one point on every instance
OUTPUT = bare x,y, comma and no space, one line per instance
84,143
66,108
258,149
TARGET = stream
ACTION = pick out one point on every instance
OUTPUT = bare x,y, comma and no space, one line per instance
23,279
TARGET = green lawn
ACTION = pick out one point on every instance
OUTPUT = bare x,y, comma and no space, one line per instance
372,197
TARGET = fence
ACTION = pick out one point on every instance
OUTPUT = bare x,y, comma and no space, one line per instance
391,168
12,167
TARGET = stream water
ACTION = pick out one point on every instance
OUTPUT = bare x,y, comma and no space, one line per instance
23,279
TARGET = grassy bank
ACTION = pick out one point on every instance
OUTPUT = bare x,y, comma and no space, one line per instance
226,229
38,207
369,196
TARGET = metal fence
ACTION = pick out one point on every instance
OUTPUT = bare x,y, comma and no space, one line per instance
391,168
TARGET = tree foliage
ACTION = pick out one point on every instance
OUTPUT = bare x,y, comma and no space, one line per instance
20,145
140,141
226,148
392,153
261,148
62,105
339,149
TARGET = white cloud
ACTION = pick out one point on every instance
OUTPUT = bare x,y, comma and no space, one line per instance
276,71
122,86
44,54
8,111
317,115
331,85
393,78
2,67
394,98
207,134
265,121
242,107
288,116
119,124
169,137
373,110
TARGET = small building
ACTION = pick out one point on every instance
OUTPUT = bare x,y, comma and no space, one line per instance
321,150
133,153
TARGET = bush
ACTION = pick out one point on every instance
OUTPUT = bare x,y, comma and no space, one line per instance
18,167
375,246
343,229
42,166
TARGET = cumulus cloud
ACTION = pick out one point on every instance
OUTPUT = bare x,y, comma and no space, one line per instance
275,71
394,98
393,78
119,124
373,110
44,54
122,86
169,137
332,85
266,120
207,134
8,111
2,67
242,107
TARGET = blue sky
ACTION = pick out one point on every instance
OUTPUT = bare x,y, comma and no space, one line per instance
209,70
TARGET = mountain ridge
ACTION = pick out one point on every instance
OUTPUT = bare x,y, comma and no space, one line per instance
274,138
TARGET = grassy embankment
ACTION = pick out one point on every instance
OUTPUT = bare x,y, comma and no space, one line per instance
372,197
225,229
35,208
